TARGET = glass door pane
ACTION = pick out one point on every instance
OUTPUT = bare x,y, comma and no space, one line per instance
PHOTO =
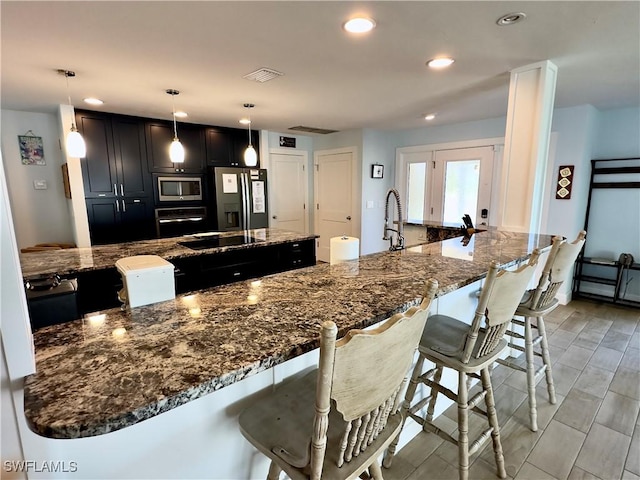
416,189
462,179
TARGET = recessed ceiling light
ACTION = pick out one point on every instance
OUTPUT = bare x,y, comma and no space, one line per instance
440,62
511,18
431,116
245,121
181,114
93,101
359,25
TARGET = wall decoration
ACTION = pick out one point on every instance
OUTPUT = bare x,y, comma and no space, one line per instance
377,171
565,182
31,150
65,181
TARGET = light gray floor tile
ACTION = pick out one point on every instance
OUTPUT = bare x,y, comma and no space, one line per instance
576,357
633,459
483,470
560,313
555,353
400,469
544,409
517,443
507,400
564,378
557,450
631,359
561,338
629,476
578,410
436,468
599,325
594,381
588,339
618,412
417,450
626,382
606,358
615,340
604,452
575,322
529,472
579,474
625,325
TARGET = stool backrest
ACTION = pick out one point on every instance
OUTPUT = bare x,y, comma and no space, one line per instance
364,373
556,270
501,295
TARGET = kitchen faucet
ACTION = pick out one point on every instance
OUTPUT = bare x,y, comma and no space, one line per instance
400,243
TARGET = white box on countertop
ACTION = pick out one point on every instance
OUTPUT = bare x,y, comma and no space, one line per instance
146,279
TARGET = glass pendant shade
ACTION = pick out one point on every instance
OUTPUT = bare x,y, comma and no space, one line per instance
176,151
76,147
250,156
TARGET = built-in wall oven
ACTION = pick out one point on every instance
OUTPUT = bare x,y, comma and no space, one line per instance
178,221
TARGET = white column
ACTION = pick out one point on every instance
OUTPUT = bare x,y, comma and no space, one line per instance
77,206
530,110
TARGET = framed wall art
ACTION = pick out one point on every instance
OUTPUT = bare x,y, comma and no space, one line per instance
31,150
565,182
377,171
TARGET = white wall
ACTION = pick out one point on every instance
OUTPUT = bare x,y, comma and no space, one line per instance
41,216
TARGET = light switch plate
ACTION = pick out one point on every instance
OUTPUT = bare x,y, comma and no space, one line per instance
369,203
40,184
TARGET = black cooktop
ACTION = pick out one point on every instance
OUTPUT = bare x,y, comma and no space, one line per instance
214,241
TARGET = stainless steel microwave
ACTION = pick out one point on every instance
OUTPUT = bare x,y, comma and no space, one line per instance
179,189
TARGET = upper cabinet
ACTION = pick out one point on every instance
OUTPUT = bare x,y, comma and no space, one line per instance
159,136
220,147
114,165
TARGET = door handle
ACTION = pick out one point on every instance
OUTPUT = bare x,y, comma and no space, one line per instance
117,206
121,190
124,207
349,217
115,190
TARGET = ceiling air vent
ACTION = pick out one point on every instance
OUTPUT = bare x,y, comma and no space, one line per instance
302,128
263,75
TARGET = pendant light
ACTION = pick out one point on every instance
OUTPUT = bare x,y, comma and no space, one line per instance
250,155
75,143
176,150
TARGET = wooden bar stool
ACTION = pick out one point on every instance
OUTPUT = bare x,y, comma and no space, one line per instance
470,350
356,390
536,304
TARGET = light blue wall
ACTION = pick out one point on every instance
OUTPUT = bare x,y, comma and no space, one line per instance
489,128
617,134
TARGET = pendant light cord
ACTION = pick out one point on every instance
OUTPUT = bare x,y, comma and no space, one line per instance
66,77
173,108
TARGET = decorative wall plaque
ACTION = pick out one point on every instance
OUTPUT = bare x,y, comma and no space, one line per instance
565,182
31,150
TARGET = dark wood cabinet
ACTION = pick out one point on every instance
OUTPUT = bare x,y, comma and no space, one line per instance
118,186
159,136
219,147
116,220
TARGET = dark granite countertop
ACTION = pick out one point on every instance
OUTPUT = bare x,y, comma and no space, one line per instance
74,260
113,369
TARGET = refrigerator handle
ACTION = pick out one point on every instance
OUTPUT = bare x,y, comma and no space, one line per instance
245,201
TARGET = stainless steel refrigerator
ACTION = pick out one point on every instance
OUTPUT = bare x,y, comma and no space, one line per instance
240,196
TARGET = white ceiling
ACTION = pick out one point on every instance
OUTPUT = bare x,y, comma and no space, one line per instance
129,53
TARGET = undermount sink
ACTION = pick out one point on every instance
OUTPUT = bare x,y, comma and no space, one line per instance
215,241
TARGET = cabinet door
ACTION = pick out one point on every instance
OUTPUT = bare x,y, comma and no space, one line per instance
219,147
137,221
134,179
159,136
104,219
99,166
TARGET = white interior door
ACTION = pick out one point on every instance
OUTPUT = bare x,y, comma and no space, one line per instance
288,177
333,198
462,184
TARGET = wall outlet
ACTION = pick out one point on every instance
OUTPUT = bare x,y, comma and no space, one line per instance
40,184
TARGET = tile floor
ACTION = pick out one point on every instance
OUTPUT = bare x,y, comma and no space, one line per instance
592,432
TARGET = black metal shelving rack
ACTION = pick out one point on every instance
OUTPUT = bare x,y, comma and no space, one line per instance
615,278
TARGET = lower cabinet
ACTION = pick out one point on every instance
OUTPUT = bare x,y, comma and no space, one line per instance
113,220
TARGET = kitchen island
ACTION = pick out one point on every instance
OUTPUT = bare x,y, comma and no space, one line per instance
117,371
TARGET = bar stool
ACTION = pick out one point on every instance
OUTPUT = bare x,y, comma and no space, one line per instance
536,304
356,390
470,350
